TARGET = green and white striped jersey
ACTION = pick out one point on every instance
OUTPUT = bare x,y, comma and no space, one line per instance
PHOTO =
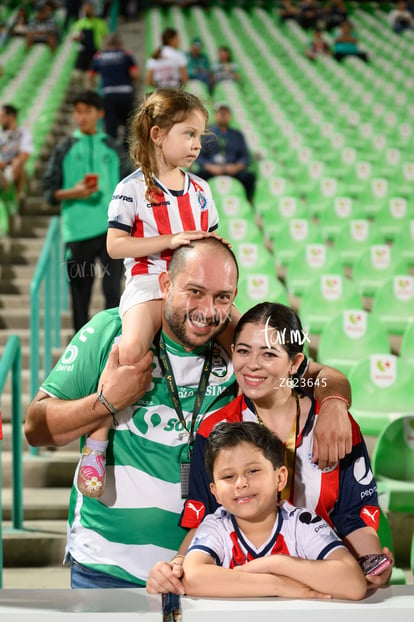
135,523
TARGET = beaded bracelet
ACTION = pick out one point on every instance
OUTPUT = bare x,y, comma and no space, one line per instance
335,397
109,407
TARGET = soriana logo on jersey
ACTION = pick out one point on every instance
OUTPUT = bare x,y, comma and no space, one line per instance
298,229
359,230
315,255
355,323
404,287
331,286
380,256
383,369
257,286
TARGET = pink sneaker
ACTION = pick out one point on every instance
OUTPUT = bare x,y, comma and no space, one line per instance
91,474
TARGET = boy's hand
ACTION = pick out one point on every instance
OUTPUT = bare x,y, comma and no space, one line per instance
186,237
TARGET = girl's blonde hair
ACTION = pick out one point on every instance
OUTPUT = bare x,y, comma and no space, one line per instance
163,108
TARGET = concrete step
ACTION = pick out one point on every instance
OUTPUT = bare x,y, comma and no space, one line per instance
24,335
44,452
39,543
19,318
52,469
47,577
39,503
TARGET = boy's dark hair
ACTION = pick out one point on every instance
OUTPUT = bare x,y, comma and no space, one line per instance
10,110
226,435
89,98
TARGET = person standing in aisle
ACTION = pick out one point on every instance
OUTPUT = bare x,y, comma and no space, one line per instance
80,175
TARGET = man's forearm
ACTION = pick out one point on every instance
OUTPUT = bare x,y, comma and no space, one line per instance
328,382
51,421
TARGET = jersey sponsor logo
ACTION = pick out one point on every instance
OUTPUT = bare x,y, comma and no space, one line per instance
122,197
160,204
370,514
362,472
219,365
84,332
308,518
368,492
68,358
193,513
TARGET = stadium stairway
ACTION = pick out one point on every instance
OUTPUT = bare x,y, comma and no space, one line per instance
32,557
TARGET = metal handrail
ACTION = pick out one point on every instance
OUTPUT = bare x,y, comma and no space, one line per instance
12,361
49,273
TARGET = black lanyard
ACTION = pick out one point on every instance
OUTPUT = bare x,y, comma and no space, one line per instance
173,392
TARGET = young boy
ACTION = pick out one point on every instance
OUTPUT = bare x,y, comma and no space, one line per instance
252,546
81,175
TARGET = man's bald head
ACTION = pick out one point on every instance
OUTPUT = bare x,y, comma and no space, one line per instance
194,251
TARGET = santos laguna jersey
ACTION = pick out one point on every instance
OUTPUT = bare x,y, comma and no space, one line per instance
165,213
135,522
344,495
296,532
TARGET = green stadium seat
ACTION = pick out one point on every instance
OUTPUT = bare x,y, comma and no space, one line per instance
350,336
354,238
386,539
326,296
381,391
232,206
393,465
393,303
269,190
254,258
226,185
322,195
310,262
240,229
284,209
292,236
374,197
259,287
340,211
407,344
393,216
376,264
404,241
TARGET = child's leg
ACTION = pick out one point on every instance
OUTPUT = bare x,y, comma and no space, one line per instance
140,324
226,337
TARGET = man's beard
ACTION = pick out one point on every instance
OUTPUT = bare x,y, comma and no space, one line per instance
177,324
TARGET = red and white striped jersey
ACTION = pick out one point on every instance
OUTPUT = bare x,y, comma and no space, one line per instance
167,212
296,532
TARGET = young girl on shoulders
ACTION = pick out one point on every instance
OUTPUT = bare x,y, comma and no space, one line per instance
153,211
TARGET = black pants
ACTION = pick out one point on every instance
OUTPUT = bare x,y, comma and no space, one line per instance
118,108
81,271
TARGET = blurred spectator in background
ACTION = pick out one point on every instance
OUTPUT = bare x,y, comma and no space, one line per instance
225,68
81,174
42,28
168,65
90,31
317,46
334,14
198,64
346,44
16,145
119,71
72,12
400,18
288,11
310,13
19,25
224,152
